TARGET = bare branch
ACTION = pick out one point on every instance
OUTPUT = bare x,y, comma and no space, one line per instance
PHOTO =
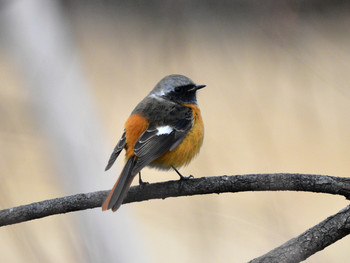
311,241
205,185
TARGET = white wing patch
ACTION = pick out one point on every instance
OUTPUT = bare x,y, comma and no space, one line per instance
164,130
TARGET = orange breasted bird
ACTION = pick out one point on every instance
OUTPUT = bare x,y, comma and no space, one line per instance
164,131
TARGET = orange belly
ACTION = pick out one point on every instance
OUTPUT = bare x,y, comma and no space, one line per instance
187,149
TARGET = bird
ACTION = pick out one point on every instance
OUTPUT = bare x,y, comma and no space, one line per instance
165,131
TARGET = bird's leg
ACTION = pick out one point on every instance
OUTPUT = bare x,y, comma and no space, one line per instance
181,176
142,183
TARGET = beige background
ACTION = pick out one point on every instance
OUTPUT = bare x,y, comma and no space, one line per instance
277,100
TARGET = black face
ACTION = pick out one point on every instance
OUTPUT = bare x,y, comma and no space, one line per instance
185,94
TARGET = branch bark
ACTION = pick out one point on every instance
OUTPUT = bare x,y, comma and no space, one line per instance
204,185
294,250
311,241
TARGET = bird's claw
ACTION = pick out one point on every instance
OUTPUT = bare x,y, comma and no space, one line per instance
185,178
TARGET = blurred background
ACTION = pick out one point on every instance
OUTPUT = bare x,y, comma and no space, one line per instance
277,100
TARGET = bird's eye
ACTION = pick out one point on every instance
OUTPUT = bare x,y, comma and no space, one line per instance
178,89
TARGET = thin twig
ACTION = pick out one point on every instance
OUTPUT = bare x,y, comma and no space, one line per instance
205,185
311,241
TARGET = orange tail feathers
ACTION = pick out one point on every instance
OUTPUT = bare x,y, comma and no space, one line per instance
117,194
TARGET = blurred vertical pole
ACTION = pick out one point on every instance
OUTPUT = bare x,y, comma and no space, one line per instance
38,36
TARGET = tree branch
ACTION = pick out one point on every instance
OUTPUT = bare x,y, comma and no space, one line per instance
311,241
205,185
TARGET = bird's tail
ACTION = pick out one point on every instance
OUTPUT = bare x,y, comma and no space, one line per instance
116,195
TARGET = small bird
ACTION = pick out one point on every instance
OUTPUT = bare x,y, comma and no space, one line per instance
164,131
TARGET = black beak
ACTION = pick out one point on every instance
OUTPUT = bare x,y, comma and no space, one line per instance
197,87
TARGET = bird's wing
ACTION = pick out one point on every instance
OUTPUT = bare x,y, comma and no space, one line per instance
156,140
118,148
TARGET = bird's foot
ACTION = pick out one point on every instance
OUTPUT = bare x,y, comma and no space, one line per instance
142,183
182,178
185,178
